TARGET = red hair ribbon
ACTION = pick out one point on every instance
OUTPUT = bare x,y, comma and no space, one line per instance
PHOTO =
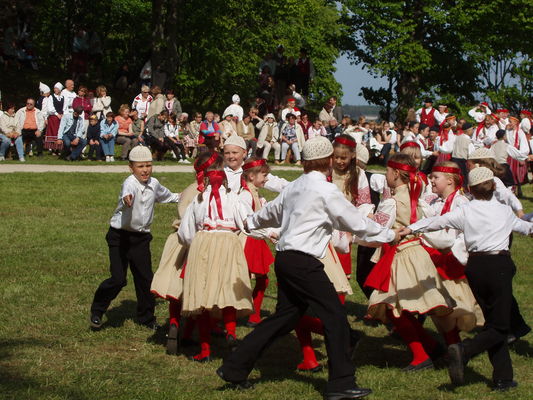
216,178
253,164
410,143
345,141
449,170
415,185
200,170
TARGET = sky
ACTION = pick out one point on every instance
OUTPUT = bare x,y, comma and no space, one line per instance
352,78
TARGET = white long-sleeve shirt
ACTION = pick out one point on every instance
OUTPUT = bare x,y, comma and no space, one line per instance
274,183
69,97
140,215
479,116
486,225
308,210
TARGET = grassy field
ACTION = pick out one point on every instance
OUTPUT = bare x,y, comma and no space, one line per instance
53,257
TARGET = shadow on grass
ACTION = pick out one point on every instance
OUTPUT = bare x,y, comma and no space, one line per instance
471,377
116,316
15,384
522,348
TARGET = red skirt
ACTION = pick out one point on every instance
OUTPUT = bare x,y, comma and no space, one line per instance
448,267
258,256
443,157
518,169
51,134
346,261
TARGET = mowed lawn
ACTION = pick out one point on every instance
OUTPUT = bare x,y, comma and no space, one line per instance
54,255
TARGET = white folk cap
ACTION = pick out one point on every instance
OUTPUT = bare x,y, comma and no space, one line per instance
44,88
235,98
270,115
479,175
362,153
317,148
58,85
140,154
236,140
480,153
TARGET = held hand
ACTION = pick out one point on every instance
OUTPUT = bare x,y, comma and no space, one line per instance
37,133
404,232
128,200
520,213
59,141
75,142
245,226
371,216
397,236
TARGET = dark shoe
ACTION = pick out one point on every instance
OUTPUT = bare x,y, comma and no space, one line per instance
201,359
96,321
251,324
503,386
172,340
242,385
232,342
438,352
356,393
456,363
313,370
428,364
522,331
355,337
186,342
154,326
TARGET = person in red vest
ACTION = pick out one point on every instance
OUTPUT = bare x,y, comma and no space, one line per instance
305,73
427,115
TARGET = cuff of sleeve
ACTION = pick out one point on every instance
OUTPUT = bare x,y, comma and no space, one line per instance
250,222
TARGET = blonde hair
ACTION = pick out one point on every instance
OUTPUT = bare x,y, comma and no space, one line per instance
412,151
455,177
100,89
122,108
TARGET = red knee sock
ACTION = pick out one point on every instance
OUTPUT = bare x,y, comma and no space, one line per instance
174,312
190,324
342,298
407,330
452,337
229,315
427,341
204,327
309,357
261,283
311,324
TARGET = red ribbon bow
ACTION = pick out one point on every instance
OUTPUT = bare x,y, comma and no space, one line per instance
415,185
347,142
200,170
216,178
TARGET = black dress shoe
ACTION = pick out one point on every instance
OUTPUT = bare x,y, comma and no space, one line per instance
251,324
172,340
241,385
503,386
438,352
428,364
456,363
153,325
232,342
96,321
356,393
314,370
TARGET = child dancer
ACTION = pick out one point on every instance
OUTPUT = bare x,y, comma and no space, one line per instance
129,239
216,278
405,280
486,224
258,254
168,281
350,180
448,252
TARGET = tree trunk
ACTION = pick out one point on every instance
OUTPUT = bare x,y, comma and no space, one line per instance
158,33
171,61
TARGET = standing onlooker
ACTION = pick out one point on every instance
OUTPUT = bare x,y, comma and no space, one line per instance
80,54
85,103
125,136
30,124
142,101
158,103
108,132
305,73
336,110
43,102
102,103
70,134
8,133
235,109
326,113
93,138
69,95
55,112
172,104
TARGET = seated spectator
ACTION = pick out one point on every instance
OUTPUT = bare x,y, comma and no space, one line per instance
93,138
142,101
155,134
246,130
137,126
292,137
317,129
158,103
108,133
71,133
210,134
333,129
102,102
326,113
190,140
235,109
228,126
125,136
172,139
305,124
9,134
30,124
85,103
269,138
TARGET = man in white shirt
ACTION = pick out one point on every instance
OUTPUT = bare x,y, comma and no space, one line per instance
525,123
69,95
307,211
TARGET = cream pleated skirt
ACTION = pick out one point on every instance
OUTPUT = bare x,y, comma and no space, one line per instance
467,313
415,286
216,275
335,272
167,282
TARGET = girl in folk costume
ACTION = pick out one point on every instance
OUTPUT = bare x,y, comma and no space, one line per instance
352,182
448,252
414,150
518,152
446,137
216,278
258,255
405,280
168,280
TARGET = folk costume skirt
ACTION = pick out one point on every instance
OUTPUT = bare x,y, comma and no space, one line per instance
167,282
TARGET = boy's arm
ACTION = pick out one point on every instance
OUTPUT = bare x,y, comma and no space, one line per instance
187,228
275,183
269,216
163,195
523,227
453,219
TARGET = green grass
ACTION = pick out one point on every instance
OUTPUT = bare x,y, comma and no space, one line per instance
53,257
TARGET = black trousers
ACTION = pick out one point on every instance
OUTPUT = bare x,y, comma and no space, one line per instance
28,137
491,280
133,249
363,268
302,283
177,148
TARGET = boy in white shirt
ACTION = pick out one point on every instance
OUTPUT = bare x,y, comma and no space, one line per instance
307,211
486,224
129,239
